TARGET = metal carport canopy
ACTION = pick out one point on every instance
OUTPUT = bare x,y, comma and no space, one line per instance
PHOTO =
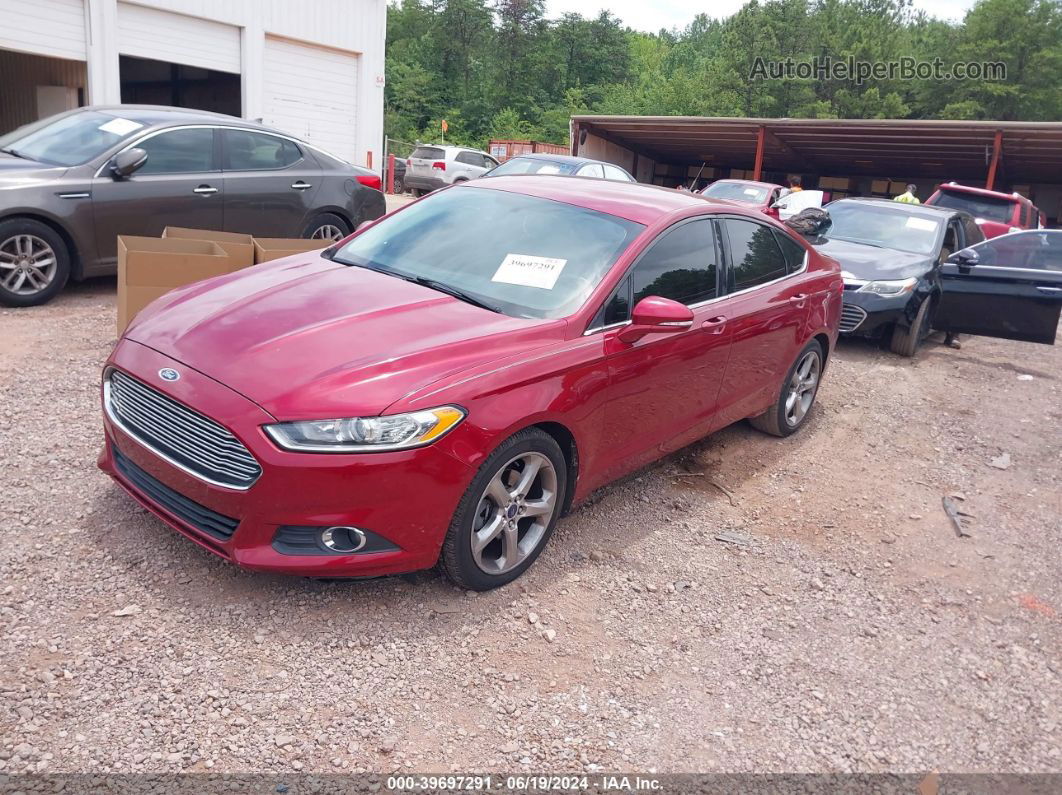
1021,151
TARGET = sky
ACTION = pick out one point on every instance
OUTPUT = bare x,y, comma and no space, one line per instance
651,15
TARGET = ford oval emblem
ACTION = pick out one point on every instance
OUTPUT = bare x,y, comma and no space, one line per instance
169,374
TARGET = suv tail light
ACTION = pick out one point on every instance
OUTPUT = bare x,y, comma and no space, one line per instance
371,180
439,164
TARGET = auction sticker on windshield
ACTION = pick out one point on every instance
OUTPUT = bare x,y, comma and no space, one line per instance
527,270
120,126
922,224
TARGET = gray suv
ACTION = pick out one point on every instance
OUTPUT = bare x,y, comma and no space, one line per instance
70,184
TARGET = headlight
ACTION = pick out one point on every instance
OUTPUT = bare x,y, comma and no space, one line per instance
890,287
366,434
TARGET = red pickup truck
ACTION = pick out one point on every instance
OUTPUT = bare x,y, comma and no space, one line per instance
996,213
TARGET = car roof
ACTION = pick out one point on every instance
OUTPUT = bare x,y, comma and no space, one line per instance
164,114
994,194
558,158
634,201
757,183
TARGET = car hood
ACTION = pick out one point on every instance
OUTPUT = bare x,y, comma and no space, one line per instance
871,262
305,337
16,172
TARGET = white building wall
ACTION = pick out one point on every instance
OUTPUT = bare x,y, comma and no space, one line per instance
89,30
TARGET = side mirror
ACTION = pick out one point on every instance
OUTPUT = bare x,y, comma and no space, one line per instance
964,258
127,162
656,315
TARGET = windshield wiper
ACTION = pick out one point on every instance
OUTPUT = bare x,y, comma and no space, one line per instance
442,287
9,151
424,281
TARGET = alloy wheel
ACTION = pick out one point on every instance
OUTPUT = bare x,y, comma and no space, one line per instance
514,512
27,264
802,388
327,232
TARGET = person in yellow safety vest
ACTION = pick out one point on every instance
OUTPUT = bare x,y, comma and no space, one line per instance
908,196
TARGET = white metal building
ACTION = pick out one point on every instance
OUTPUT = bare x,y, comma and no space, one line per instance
312,68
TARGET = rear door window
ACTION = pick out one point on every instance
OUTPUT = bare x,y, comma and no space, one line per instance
251,151
792,251
755,257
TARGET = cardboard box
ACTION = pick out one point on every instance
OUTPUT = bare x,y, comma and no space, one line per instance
270,248
149,267
240,248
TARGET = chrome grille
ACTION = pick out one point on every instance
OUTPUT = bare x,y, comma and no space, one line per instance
184,437
851,317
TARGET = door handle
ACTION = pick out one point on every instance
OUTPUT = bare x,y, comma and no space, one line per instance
798,299
1051,290
205,190
300,185
715,325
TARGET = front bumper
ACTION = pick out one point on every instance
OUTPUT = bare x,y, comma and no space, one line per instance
868,315
407,498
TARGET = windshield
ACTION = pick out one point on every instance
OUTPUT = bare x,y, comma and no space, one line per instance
526,256
528,165
880,225
987,207
69,140
736,191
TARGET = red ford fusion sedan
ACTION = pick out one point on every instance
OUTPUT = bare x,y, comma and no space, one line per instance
441,386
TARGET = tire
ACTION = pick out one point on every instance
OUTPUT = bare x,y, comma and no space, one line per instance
326,226
417,192
34,262
782,419
502,559
905,341
400,186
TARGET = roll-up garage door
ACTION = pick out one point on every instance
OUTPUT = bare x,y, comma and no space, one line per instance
55,28
165,36
311,93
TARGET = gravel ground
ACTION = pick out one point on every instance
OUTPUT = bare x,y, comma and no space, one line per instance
839,625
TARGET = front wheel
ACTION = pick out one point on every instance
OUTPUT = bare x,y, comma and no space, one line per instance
508,513
797,396
34,262
905,341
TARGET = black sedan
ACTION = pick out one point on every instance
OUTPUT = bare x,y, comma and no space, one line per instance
70,184
909,269
890,255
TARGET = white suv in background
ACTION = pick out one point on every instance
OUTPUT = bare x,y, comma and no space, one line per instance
435,166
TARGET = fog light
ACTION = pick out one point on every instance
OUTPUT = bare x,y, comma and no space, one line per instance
343,539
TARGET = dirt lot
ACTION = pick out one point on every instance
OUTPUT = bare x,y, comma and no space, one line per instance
850,629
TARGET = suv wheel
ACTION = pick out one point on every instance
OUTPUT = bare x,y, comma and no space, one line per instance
34,262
